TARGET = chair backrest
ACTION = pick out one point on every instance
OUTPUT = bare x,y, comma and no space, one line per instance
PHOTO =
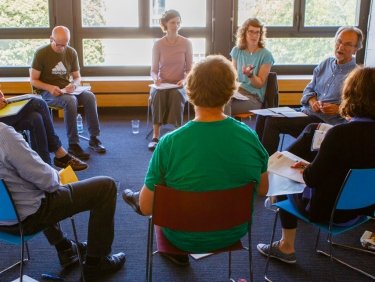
358,190
7,207
271,97
202,211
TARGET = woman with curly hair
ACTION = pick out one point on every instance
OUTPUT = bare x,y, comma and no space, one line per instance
253,63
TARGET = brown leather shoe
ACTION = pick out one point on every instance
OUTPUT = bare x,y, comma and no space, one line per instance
75,163
132,199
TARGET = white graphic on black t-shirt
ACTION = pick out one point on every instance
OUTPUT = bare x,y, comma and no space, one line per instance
59,69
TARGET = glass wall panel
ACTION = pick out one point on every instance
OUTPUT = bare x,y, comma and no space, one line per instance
127,52
109,13
331,13
269,12
193,12
19,52
300,51
24,13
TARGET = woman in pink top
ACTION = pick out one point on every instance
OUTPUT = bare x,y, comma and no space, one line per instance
172,57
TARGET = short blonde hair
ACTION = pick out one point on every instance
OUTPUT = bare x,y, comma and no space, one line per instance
168,15
358,97
211,82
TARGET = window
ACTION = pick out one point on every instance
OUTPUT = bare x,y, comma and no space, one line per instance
22,23
115,37
301,32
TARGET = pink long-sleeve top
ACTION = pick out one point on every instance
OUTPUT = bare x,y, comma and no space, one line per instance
171,62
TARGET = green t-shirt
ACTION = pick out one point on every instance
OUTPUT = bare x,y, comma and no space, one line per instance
55,68
202,156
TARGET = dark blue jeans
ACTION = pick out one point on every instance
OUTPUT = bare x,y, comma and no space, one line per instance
96,194
35,117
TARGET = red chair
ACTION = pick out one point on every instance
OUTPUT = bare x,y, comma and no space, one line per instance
199,212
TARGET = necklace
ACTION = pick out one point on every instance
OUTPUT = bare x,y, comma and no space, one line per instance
171,42
253,51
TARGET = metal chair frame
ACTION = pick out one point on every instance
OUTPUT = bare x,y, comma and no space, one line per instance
199,212
357,191
9,212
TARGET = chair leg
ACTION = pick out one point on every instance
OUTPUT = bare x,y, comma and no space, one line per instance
272,238
149,254
80,260
333,258
282,142
250,254
230,266
22,257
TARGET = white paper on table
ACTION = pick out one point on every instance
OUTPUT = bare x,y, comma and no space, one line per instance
163,86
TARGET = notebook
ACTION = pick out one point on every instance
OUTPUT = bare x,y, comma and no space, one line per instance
13,108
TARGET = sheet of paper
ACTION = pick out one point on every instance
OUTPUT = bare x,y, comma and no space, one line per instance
200,256
280,163
265,112
288,112
67,175
78,90
319,135
280,110
22,97
165,86
279,185
13,108
294,114
237,95
25,278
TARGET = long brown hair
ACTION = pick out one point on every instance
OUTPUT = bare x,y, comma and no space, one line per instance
358,93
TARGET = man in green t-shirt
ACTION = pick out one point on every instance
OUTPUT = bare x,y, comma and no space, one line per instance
211,152
55,76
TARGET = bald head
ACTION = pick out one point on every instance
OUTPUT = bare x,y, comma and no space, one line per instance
60,38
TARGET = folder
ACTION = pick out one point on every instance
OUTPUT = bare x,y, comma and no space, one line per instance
13,108
67,175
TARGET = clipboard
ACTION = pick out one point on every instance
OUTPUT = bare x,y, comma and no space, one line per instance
13,108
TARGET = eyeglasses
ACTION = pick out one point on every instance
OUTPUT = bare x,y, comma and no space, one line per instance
253,32
60,45
345,44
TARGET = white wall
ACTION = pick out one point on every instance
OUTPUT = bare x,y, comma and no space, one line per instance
370,48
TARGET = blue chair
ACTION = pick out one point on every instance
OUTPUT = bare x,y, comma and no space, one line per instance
8,212
357,192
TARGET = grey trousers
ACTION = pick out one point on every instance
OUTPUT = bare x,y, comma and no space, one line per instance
167,106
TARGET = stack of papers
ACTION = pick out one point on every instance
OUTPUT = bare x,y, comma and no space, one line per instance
279,112
78,90
280,163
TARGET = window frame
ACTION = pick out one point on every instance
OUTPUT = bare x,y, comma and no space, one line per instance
143,31
221,25
299,30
